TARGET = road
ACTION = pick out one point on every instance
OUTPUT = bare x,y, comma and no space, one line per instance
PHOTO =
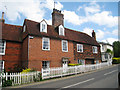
104,78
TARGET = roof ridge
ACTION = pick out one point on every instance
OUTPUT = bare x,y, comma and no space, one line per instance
78,32
12,25
31,20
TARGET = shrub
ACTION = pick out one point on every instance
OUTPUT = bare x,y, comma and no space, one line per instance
116,60
74,64
6,83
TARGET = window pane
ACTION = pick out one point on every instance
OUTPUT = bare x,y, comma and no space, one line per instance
64,45
45,64
2,46
46,43
43,27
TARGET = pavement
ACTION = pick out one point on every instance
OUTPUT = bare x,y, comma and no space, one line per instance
102,78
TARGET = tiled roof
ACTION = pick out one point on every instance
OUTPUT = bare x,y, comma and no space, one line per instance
14,33
34,29
11,32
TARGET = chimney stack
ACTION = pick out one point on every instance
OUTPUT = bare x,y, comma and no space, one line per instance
2,19
93,35
57,18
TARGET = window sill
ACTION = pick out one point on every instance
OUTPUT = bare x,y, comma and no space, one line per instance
2,53
46,49
79,52
64,51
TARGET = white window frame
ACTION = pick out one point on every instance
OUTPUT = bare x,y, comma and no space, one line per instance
97,62
47,64
63,47
3,47
81,61
41,27
96,50
79,46
63,31
48,43
24,28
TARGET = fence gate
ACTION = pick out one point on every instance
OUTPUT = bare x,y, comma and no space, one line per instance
1,71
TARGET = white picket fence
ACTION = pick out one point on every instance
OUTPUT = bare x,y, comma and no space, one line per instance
20,78
60,71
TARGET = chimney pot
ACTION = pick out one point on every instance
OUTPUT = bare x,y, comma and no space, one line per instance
57,18
93,35
2,19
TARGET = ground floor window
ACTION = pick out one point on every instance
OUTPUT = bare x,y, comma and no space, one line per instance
106,56
81,61
97,61
45,64
1,65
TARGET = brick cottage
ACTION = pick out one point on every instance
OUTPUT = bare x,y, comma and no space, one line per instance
38,45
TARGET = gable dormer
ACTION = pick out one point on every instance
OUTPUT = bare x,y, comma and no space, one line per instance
24,28
43,26
61,30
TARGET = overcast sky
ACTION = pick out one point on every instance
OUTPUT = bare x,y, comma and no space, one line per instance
102,17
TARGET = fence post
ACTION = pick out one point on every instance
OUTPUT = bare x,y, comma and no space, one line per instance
42,73
6,76
61,71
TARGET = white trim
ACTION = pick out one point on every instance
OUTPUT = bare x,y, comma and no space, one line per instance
96,49
24,28
4,48
80,46
43,22
60,30
48,43
62,45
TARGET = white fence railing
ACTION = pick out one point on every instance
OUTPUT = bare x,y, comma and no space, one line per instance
60,71
20,78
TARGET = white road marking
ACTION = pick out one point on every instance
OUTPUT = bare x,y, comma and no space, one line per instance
79,83
110,72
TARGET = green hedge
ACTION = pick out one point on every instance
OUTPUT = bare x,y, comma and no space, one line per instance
116,60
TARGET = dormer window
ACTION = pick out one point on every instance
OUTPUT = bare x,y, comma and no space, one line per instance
24,28
43,26
61,30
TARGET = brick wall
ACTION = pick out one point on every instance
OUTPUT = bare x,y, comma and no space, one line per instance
25,53
12,55
87,53
55,55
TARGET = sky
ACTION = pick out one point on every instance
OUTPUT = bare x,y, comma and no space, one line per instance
100,16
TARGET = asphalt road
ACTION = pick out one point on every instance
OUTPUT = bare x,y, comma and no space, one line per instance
104,78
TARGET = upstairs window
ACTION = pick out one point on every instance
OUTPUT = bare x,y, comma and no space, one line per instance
2,47
24,28
64,46
45,43
94,49
79,48
61,30
43,26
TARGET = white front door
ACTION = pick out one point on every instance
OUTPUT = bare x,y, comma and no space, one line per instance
65,64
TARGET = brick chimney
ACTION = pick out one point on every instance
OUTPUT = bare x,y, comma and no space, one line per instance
2,19
57,18
93,35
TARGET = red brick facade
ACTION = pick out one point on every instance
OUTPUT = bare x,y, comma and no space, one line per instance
27,52
54,55
87,54
12,55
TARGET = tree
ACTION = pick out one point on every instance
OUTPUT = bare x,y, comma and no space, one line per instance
109,51
116,48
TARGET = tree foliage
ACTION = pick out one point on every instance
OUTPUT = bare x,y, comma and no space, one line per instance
116,48
109,51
